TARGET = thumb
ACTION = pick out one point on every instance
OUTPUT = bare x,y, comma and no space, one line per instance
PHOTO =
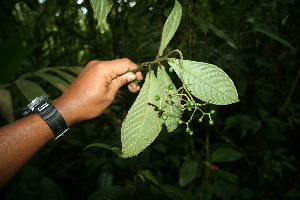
123,80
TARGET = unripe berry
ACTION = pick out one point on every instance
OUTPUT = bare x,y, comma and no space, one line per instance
165,117
160,108
180,121
191,132
189,109
157,98
171,87
200,120
171,70
212,112
187,130
191,103
211,122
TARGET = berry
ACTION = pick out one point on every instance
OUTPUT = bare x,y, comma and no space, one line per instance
210,102
160,108
191,132
191,103
171,87
180,121
200,120
171,70
165,117
212,112
157,98
189,109
187,130
211,122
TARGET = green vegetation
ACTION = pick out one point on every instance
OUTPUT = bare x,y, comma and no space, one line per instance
245,150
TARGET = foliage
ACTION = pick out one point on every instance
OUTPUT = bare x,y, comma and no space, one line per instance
251,150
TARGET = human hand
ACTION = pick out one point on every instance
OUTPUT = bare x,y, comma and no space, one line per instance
95,88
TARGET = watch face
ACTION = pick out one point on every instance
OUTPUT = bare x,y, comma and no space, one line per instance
36,101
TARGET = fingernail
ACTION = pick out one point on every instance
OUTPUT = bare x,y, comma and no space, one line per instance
138,87
131,77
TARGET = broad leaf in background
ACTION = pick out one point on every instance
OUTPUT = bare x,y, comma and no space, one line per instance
225,154
68,77
29,89
12,54
105,146
54,80
101,9
188,172
75,70
170,27
149,176
274,36
206,81
175,193
6,108
205,26
171,104
113,193
142,124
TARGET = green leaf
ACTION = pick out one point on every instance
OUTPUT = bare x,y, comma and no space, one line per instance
175,193
188,172
221,34
75,70
54,80
105,146
142,124
101,9
172,104
206,81
29,89
12,55
275,37
68,77
225,154
6,108
113,193
170,27
148,175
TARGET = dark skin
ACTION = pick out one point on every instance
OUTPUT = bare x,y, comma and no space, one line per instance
87,97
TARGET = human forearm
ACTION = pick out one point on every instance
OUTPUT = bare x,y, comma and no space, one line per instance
87,97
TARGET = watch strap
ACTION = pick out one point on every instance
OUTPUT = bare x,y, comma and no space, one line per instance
53,118
49,113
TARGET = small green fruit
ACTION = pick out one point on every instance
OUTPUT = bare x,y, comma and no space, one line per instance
171,87
165,117
191,132
157,98
171,69
160,108
211,122
187,130
200,120
180,121
189,109
191,103
212,112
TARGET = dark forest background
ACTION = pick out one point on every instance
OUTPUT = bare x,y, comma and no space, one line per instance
252,151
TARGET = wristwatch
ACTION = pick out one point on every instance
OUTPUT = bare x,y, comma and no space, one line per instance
46,110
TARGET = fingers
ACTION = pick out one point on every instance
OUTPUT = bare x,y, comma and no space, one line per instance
133,87
123,80
119,67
